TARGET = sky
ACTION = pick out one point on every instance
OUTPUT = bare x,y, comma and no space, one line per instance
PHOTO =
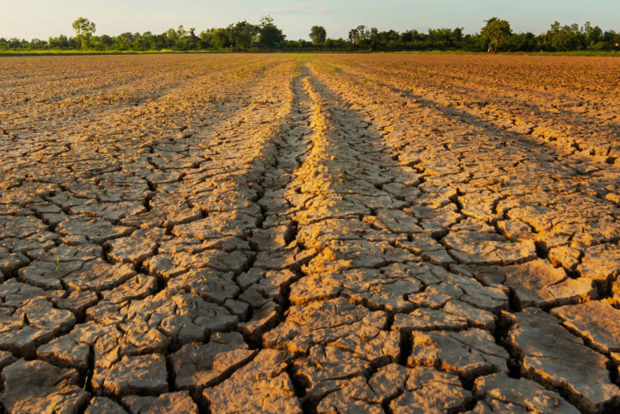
30,19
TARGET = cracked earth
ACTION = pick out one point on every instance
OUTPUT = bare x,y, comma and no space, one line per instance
342,234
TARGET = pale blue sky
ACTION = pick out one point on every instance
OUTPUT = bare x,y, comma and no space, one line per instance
42,18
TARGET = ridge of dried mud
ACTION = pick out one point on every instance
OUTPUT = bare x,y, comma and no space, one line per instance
347,234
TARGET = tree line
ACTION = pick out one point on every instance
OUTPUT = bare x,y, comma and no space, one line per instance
495,36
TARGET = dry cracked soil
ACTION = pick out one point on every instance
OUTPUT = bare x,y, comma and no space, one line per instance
286,234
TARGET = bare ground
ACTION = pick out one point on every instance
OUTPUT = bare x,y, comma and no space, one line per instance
344,234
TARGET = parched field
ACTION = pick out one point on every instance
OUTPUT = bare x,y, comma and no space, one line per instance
285,234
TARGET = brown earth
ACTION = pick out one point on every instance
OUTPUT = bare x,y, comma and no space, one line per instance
342,234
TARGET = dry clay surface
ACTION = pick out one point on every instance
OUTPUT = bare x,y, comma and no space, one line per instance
340,234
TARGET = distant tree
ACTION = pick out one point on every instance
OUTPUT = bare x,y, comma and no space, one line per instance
442,39
318,35
241,34
141,42
612,40
359,35
409,36
521,42
565,38
38,44
220,38
495,30
84,30
181,32
125,41
106,41
593,35
60,42
269,34
187,39
206,39
171,37
330,44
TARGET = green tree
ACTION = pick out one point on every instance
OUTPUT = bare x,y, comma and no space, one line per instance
206,39
593,34
359,35
171,37
442,39
269,34
187,39
84,31
241,34
318,35
495,30
565,38
60,42
220,38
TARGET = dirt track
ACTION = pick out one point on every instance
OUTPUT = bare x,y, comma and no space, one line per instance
344,234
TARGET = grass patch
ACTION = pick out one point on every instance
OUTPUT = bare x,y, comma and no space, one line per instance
303,57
